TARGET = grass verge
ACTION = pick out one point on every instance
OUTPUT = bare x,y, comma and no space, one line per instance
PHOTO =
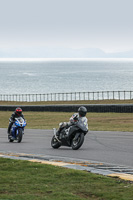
34,181
96,121
111,101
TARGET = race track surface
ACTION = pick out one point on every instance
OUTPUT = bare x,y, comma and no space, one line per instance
100,146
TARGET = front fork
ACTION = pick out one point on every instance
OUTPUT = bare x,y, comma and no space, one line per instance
17,131
56,135
54,131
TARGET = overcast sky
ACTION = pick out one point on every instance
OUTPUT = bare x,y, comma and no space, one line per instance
103,24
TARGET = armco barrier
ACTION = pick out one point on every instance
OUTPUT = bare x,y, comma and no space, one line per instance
118,108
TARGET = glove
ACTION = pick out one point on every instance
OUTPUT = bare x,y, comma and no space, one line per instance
74,118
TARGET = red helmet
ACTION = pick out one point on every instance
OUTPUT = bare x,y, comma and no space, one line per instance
18,111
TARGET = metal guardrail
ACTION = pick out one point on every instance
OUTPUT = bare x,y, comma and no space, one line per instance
73,96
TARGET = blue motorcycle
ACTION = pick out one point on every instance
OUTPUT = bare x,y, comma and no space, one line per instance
17,130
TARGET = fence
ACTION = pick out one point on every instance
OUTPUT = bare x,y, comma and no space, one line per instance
101,95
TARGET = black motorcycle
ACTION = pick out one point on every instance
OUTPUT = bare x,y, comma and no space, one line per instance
72,136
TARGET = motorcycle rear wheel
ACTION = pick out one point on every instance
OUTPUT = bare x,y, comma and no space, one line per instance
76,144
55,143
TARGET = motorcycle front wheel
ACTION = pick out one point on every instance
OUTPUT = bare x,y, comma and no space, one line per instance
55,143
19,136
77,143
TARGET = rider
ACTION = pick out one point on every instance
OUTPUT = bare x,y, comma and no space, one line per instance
81,115
17,113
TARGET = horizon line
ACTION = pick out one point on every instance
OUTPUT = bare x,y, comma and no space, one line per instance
61,59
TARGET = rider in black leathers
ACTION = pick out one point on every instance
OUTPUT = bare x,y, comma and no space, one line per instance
81,115
17,113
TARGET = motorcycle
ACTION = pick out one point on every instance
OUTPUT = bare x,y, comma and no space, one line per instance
71,137
17,130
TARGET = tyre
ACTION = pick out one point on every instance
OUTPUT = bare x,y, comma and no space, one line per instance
10,138
77,143
55,143
19,137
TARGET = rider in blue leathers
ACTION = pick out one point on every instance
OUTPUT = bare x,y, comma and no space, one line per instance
17,113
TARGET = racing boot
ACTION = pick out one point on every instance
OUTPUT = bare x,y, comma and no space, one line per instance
8,131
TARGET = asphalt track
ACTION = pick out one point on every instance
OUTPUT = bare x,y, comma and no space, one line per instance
100,146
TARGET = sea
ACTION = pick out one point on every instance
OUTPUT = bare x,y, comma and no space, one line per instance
43,76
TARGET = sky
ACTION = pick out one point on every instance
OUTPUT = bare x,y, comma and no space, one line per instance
33,26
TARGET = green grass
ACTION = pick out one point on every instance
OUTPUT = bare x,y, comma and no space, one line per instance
96,121
68,102
23,180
